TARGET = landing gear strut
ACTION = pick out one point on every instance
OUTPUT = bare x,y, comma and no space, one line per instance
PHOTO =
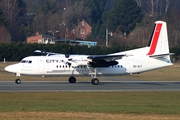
72,79
17,81
94,80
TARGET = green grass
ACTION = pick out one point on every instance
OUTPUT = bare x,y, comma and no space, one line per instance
101,102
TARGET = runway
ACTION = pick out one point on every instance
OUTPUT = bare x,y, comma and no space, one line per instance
104,86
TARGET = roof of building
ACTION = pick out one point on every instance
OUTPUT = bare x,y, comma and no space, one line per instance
78,42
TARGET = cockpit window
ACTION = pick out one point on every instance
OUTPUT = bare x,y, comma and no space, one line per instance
23,61
26,61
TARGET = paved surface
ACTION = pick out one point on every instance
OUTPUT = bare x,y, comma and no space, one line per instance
56,86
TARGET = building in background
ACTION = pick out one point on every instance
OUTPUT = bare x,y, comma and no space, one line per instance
41,39
81,31
75,37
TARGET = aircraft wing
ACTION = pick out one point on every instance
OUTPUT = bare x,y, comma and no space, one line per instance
105,57
103,60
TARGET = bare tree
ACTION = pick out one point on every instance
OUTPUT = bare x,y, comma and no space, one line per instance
139,2
153,3
76,12
32,5
4,35
44,21
167,5
152,6
174,27
10,9
54,22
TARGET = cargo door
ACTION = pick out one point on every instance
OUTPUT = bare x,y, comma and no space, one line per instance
128,69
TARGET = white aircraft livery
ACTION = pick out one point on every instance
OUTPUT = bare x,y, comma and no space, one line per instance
155,55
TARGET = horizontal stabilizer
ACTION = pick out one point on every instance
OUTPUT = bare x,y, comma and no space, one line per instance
161,55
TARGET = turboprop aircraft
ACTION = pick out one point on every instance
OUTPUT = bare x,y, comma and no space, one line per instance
155,55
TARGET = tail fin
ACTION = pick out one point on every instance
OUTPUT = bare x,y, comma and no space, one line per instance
159,40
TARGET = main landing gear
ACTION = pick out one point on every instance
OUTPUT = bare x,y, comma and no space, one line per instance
94,80
72,79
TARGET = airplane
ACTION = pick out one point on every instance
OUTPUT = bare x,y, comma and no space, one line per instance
153,56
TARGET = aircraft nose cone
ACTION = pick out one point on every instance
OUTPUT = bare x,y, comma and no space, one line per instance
8,68
11,68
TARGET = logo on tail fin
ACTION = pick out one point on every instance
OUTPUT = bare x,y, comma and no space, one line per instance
154,38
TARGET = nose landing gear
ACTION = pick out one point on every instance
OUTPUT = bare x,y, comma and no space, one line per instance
18,81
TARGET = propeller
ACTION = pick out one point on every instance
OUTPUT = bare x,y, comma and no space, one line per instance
68,52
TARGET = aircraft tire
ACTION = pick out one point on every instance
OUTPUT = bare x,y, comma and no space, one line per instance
18,81
72,79
95,81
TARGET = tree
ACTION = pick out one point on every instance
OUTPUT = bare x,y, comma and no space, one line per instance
49,7
4,35
139,2
124,16
14,11
42,16
76,12
2,17
97,8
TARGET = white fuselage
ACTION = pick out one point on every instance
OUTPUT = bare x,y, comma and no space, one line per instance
57,65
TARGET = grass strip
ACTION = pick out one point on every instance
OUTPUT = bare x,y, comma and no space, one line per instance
82,116
92,102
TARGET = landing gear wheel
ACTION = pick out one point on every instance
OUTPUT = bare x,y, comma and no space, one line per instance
95,81
18,81
72,79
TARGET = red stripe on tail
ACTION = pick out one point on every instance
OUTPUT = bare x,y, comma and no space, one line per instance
155,39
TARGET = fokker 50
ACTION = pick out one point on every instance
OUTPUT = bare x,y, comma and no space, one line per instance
155,55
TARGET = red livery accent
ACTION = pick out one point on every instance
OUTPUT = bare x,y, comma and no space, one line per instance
155,39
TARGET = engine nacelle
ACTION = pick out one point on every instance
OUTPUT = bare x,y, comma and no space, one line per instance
101,63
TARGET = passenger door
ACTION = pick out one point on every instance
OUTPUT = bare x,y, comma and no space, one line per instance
41,66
